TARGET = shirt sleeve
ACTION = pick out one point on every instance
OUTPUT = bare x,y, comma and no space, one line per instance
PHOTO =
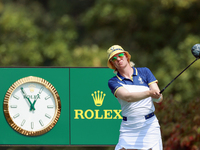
114,85
150,77
147,75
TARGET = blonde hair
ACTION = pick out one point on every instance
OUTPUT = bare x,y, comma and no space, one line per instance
132,64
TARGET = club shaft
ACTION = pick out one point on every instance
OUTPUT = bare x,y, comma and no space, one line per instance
178,76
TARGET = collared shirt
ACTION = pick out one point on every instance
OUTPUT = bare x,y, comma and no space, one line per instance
141,76
141,79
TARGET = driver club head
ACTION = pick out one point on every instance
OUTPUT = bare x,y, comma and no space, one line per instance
196,50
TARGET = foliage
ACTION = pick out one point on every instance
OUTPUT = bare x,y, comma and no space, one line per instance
180,124
31,39
176,61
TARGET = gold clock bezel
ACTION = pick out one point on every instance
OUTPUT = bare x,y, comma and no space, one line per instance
50,87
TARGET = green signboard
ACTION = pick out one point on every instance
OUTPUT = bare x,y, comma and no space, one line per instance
94,112
90,114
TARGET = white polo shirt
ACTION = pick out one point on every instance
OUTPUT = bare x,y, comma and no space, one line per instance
141,79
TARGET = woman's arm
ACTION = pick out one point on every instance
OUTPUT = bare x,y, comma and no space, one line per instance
125,95
156,92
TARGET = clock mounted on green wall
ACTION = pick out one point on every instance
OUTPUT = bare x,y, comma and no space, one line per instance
32,106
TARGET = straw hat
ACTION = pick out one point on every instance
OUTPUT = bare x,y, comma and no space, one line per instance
113,50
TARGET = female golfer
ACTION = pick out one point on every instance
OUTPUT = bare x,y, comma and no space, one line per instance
135,89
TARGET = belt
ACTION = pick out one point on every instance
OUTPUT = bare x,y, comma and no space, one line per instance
146,116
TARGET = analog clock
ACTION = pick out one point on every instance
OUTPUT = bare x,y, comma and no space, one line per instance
32,106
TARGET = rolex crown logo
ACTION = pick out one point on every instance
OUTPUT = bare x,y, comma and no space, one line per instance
31,88
98,97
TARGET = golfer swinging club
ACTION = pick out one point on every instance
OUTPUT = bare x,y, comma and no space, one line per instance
135,89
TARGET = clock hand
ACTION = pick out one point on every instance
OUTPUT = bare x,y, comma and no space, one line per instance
36,100
32,106
34,103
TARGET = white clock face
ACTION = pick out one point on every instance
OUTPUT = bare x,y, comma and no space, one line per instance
32,106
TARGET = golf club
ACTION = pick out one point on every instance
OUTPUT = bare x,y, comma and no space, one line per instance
196,52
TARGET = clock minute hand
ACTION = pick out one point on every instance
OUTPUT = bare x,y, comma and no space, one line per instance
32,106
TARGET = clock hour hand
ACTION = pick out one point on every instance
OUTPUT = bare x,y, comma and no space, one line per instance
32,106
